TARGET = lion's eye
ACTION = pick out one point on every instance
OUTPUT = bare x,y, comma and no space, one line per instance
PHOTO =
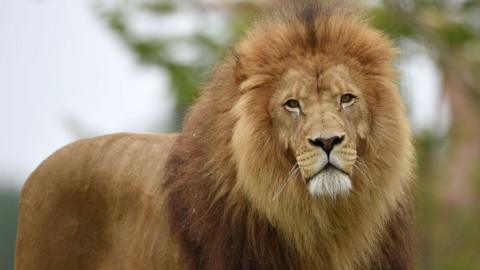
292,104
347,98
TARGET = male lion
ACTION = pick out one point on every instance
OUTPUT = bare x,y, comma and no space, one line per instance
297,155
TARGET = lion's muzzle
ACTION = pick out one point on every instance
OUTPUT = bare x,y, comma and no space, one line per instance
326,165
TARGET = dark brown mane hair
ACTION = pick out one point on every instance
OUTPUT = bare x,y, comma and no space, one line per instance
217,226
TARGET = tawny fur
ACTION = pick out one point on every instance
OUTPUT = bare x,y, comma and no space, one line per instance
219,200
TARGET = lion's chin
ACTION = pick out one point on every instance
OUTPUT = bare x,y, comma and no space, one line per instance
330,182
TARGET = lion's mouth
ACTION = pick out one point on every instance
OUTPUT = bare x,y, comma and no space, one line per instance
329,181
328,167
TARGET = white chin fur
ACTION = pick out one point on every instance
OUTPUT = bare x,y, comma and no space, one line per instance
330,182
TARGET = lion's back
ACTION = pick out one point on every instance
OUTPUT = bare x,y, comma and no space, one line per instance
94,204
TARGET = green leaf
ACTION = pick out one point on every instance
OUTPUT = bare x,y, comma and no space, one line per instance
159,7
456,34
389,21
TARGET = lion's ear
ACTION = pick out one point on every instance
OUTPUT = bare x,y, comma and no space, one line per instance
244,80
239,71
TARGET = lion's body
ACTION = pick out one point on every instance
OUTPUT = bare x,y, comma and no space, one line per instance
97,204
225,193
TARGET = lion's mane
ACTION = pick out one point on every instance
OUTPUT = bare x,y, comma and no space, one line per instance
225,219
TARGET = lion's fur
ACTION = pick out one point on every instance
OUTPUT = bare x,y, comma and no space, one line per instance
94,205
220,181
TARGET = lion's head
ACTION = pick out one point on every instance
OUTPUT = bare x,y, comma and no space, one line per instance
300,141
318,97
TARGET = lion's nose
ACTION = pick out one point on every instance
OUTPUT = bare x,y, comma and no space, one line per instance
326,144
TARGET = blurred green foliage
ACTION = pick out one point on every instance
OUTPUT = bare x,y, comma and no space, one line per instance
8,226
161,50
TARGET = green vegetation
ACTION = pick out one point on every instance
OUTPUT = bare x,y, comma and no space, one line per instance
8,223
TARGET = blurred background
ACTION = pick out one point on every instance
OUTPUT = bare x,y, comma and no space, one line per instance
75,69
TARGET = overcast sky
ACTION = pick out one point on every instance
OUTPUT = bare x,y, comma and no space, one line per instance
60,67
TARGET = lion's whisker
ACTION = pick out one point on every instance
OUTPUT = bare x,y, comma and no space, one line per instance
292,174
360,168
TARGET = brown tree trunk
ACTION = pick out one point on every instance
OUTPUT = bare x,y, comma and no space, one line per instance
464,151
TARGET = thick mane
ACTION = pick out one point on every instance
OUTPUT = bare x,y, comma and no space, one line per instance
336,30
223,223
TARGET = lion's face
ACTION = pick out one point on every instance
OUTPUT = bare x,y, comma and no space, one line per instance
316,112
321,117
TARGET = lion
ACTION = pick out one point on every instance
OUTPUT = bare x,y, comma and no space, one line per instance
296,155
